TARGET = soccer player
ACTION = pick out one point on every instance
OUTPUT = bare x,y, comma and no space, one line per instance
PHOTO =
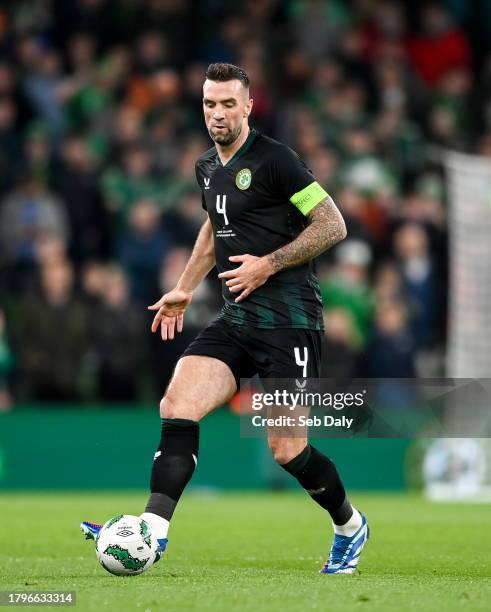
268,219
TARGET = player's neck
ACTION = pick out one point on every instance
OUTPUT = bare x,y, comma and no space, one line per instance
226,153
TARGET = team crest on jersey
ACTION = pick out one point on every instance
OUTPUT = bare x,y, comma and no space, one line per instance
243,178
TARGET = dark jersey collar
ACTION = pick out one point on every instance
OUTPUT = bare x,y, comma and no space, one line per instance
242,151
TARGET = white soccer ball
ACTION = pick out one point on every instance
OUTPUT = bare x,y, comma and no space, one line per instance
126,545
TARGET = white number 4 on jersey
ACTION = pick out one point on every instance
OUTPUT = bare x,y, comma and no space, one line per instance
222,207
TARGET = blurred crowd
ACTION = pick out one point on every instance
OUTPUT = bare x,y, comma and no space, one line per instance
100,127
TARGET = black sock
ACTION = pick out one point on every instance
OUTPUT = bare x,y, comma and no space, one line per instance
318,476
173,465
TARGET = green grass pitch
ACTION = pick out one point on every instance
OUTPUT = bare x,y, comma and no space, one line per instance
254,552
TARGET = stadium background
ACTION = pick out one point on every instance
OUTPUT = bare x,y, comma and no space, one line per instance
100,125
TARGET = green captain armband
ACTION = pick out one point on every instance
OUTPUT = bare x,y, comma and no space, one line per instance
308,198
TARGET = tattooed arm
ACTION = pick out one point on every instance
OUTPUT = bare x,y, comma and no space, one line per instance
326,227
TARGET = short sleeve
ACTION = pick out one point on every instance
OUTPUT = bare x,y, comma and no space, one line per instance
203,202
295,181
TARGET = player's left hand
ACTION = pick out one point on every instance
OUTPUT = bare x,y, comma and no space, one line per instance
251,274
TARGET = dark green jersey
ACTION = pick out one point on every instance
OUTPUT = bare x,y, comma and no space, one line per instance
257,203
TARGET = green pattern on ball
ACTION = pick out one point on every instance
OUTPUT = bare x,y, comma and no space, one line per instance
125,558
145,534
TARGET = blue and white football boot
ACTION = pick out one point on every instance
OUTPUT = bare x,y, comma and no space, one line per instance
345,552
91,530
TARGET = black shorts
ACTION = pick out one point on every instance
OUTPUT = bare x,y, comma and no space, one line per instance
270,353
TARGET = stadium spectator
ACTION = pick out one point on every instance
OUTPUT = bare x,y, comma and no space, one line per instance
76,181
118,340
440,47
388,284
93,274
140,248
27,213
134,179
347,288
42,89
421,279
53,338
340,350
391,352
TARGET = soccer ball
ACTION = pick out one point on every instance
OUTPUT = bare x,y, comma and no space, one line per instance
126,545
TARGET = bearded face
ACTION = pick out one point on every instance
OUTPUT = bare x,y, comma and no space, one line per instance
226,107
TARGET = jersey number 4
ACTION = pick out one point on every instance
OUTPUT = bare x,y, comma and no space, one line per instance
222,207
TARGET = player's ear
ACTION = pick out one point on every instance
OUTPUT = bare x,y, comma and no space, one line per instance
248,108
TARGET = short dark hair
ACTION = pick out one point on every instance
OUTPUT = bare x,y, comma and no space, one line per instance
227,72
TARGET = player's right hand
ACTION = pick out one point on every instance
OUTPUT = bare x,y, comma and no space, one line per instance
170,312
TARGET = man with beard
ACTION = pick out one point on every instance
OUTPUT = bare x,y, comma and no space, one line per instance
267,220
